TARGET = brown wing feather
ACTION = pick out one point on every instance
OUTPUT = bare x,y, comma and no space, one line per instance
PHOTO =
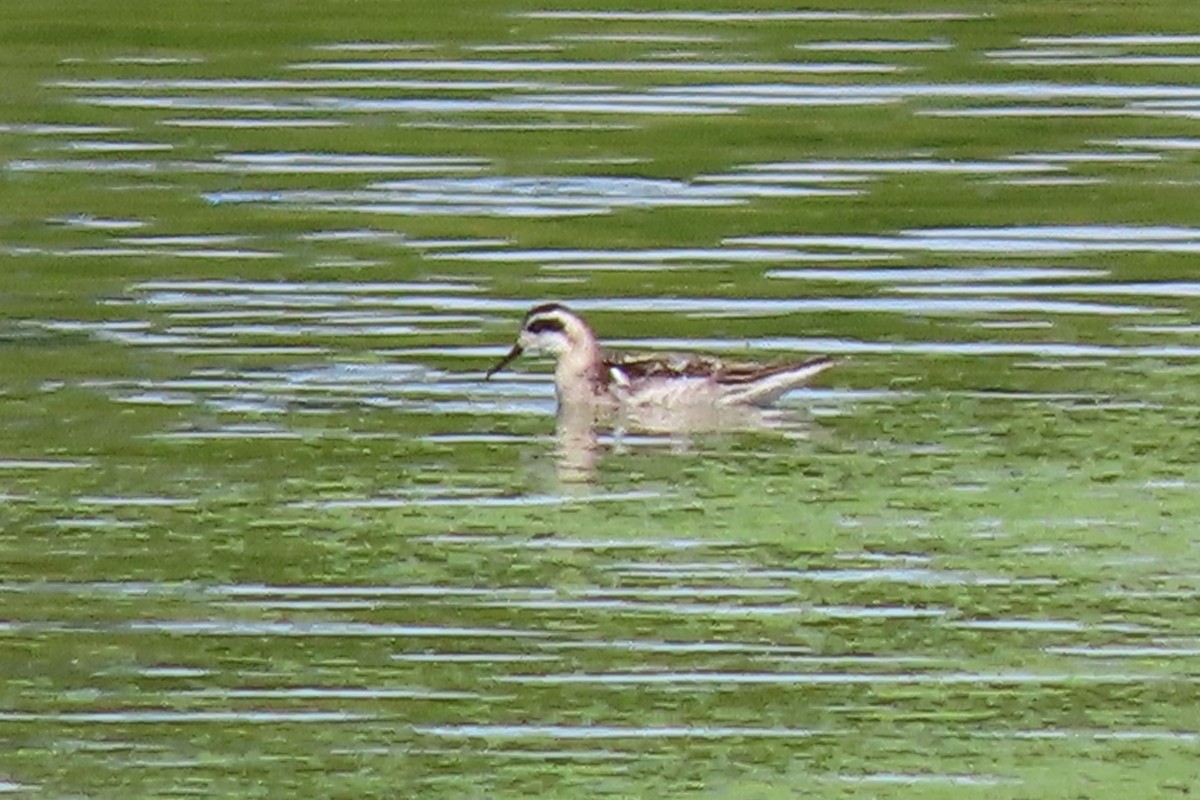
674,365
665,365
745,373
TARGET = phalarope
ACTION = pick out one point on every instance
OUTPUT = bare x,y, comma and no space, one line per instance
585,376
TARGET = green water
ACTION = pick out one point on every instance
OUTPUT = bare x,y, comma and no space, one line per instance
264,531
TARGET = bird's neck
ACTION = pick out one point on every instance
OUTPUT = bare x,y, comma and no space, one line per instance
580,371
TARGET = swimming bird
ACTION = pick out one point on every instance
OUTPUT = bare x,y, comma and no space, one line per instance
585,376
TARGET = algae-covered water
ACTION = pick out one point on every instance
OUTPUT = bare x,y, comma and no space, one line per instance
264,530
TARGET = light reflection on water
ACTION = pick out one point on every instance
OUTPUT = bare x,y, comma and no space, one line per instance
785,679
720,17
128,717
605,732
610,67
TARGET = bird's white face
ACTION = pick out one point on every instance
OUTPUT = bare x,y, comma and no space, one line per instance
545,333
547,330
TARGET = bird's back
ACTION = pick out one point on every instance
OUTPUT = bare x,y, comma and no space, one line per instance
686,379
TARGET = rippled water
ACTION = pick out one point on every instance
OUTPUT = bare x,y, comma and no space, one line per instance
266,530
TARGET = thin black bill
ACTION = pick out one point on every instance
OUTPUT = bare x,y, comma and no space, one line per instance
504,362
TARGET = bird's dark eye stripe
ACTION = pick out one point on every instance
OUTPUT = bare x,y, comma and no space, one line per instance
545,308
545,324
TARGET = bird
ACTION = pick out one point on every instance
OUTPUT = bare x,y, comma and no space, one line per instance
588,377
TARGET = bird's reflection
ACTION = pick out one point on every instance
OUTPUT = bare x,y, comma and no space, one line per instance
583,433
577,445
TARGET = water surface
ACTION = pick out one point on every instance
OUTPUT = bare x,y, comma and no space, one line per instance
264,529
